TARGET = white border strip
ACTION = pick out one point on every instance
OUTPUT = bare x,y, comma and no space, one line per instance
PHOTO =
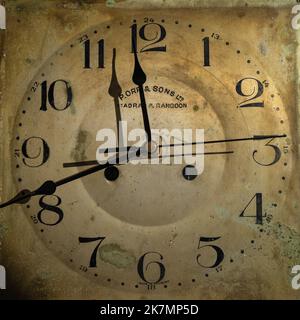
2,17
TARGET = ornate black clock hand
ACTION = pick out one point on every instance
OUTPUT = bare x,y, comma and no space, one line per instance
93,162
115,91
139,78
49,187
25,195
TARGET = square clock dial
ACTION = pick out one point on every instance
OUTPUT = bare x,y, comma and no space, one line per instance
71,227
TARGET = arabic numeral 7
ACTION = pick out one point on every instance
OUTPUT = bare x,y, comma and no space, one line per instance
93,259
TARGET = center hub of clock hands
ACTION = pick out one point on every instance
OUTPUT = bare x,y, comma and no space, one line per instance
189,172
111,173
148,149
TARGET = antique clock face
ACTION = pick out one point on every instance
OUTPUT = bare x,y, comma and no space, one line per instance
149,228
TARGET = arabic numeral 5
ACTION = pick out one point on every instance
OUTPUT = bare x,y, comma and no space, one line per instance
201,257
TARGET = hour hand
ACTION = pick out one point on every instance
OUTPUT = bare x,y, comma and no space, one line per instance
21,198
139,78
115,91
25,195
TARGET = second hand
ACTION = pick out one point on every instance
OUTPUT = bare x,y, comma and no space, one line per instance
111,150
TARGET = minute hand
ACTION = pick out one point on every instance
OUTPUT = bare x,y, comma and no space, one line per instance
139,78
115,91
253,138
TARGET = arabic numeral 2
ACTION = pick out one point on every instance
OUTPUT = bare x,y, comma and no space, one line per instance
251,89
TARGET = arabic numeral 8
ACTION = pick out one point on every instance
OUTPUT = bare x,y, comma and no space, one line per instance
50,215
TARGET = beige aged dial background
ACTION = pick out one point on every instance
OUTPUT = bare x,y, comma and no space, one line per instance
256,43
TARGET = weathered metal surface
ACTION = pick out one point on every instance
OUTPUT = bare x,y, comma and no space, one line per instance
36,30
